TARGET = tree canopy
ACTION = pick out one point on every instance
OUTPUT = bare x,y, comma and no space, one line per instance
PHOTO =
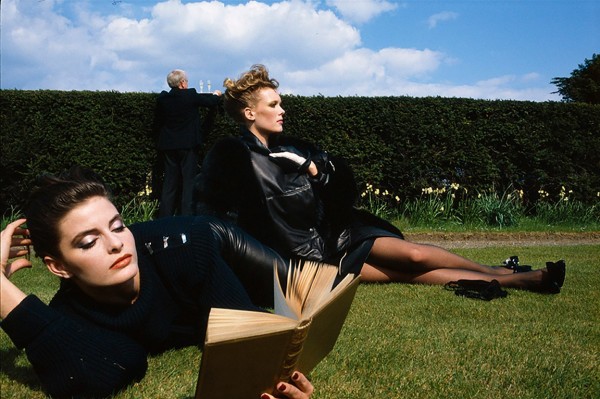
584,83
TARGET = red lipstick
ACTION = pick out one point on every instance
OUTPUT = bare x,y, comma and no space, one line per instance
123,261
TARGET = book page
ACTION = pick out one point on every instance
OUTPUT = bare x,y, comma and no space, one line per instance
230,324
320,290
301,276
281,306
309,286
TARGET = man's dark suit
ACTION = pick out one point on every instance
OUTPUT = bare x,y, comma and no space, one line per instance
179,139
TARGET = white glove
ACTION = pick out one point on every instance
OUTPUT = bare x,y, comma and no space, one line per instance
294,158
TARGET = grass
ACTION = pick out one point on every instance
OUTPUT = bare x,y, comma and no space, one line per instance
408,341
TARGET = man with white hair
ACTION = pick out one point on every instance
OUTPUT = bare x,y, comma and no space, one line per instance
179,140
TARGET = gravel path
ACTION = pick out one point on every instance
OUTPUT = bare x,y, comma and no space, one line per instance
483,239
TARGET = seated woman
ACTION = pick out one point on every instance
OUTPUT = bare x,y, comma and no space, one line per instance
125,292
299,201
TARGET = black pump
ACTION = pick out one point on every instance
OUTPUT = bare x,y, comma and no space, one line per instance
512,263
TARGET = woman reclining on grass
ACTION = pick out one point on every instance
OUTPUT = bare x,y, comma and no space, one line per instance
299,200
124,293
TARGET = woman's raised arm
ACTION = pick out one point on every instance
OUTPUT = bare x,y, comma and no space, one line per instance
14,242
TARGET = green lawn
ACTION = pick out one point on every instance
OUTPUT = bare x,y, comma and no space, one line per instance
403,341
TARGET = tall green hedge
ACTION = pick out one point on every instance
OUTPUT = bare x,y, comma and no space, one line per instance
48,131
407,144
399,143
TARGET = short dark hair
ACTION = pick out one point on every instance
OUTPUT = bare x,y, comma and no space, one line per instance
51,198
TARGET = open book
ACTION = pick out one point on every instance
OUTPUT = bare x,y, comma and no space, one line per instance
247,353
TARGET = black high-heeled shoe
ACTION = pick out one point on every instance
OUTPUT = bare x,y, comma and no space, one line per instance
557,271
512,263
553,278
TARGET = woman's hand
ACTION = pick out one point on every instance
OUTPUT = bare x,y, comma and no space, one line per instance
301,389
297,161
14,243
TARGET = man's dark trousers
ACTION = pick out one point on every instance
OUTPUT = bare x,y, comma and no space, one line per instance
180,138
181,167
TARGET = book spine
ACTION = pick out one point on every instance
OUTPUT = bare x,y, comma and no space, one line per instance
294,350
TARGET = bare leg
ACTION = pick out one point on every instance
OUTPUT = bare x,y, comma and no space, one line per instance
527,280
395,260
396,254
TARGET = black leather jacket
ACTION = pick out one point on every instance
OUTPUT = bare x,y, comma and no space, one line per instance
276,201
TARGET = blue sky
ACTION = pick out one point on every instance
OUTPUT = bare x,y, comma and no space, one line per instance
498,49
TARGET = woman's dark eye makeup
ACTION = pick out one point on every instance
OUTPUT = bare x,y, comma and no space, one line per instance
88,242
118,227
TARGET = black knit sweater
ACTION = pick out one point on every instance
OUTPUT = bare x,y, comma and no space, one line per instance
82,348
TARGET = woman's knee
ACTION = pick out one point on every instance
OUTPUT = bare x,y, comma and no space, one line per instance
392,251
417,254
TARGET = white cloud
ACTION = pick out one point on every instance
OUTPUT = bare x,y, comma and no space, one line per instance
497,81
498,88
363,71
433,20
203,37
74,46
401,72
43,46
212,34
361,11
368,73
530,77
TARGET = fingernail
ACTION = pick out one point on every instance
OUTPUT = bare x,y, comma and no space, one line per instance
264,396
295,376
281,387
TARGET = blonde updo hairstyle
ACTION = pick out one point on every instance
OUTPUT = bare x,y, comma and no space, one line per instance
242,93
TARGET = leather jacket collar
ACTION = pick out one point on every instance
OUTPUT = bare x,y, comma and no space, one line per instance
253,142
277,144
